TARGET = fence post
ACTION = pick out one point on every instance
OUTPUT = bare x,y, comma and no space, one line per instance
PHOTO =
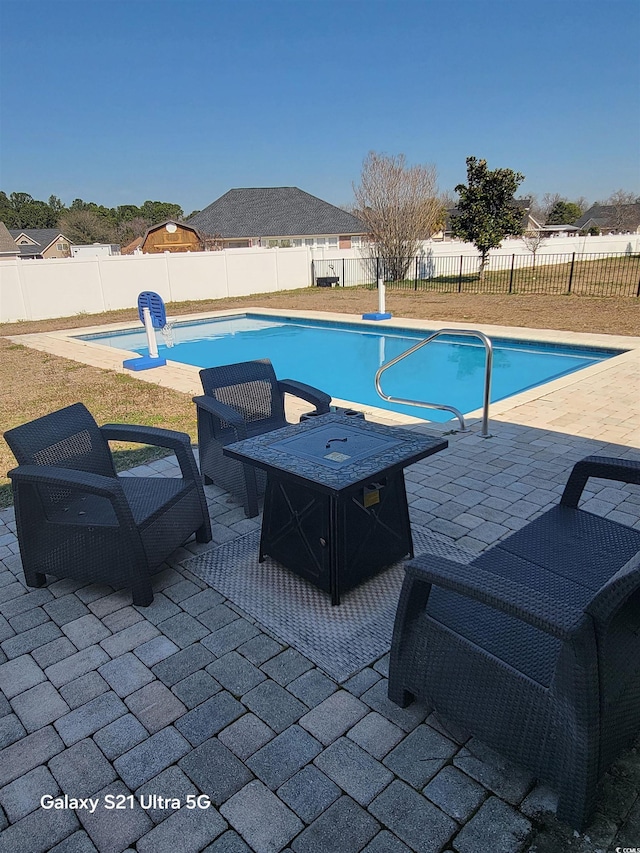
513,260
377,270
460,276
573,260
313,272
415,280
343,278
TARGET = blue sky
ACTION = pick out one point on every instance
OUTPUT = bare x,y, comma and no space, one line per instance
118,102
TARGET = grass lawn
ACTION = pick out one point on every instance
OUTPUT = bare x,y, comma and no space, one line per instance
35,383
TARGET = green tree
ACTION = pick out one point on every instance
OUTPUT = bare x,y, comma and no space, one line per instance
85,226
564,212
486,212
160,211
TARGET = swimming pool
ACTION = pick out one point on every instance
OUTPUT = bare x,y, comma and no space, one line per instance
342,359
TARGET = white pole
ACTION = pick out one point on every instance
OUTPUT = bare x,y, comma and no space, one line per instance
381,296
151,335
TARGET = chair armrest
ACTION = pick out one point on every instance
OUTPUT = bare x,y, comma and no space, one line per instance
223,413
68,478
529,605
604,467
312,395
179,442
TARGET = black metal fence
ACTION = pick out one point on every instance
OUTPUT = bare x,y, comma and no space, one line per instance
586,274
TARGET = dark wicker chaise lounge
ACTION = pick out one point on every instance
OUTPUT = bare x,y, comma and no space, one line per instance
76,518
534,647
240,401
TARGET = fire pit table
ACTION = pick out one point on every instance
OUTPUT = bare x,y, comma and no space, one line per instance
335,508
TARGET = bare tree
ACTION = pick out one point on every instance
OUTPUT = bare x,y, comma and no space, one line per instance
533,239
400,208
620,201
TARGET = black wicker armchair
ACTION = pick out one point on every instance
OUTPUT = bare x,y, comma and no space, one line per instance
240,401
76,518
534,647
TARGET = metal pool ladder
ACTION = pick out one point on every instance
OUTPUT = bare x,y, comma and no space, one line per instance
487,377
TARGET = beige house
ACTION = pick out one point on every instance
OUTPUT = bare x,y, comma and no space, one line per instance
8,248
41,243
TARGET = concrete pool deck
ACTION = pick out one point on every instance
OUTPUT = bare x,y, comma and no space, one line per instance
191,695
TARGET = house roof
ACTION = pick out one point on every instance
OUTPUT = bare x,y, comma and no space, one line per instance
7,246
273,212
42,239
611,216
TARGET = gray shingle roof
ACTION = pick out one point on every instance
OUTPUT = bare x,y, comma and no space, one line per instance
273,212
612,216
7,246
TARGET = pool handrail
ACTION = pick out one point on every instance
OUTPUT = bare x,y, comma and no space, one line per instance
487,377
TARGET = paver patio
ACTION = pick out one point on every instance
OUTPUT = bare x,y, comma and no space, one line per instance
191,697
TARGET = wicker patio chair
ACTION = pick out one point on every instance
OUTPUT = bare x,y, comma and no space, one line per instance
240,401
534,647
76,518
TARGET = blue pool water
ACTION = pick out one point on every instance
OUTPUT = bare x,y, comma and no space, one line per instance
342,359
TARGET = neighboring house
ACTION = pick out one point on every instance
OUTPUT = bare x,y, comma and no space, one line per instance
560,230
172,236
277,216
8,248
611,218
133,247
41,243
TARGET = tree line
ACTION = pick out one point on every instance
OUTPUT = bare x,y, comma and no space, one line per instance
85,221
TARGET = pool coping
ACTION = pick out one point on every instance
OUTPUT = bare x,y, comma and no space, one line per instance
185,378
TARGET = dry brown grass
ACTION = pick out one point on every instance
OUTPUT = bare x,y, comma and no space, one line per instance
34,383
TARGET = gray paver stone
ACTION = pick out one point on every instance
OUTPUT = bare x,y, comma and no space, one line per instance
344,826
217,617
228,638
215,770
210,718
66,609
455,793
125,674
507,780
407,718
286,666
259,649
87,719
196,688
201,601
86,631
333,717
18,675
275,705
113,830
34,598
22,796
82,769
53,652
183,663
11,730
187,830
496,827
385,842
74,666
153,651
376,735
263,820
183,629
413,819
27,753
357,773
160,609
283,756
309,793
171,784
179,591
129,639
79,842
312,687
150,757
39,706
230,842
120,736
420,755
246,736
83,689
235,673
122,619
29,640
24,621
38,831
155,706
